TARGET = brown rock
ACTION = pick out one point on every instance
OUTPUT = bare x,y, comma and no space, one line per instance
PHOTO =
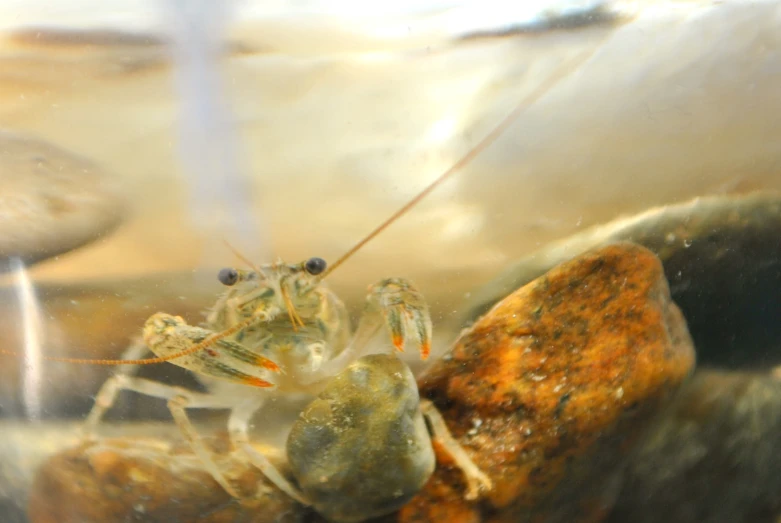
148,480
443,499
53,200
551,388
25,446
721,256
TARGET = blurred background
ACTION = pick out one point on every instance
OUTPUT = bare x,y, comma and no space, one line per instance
325,117
138,136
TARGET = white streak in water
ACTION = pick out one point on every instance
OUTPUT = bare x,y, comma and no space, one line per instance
209,143
31,335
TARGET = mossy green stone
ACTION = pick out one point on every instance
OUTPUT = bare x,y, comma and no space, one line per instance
362,448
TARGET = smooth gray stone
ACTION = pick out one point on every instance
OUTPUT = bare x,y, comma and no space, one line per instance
53,200
714,458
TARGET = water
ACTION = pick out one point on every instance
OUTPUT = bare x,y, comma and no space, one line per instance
319,121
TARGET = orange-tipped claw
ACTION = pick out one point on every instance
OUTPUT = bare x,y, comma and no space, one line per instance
268,364
257,382
406,314
398,342
425,350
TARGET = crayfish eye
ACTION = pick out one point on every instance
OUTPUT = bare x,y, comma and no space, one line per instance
228,276
315,266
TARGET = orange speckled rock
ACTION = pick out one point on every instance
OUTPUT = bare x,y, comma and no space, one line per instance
120,480
550,389
444,500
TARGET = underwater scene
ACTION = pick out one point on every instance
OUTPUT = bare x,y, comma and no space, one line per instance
435,261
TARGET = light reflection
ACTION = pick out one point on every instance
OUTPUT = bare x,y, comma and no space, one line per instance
32,329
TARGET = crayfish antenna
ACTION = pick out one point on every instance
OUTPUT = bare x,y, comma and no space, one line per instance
146,361
241,257
481,146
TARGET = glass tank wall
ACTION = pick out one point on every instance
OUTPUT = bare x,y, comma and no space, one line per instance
581,321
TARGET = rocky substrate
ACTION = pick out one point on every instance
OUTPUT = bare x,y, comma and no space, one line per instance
549,394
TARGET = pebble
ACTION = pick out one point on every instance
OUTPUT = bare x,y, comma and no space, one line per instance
53,201
714,458
363,435
565,375
721,256
139,479
24,447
